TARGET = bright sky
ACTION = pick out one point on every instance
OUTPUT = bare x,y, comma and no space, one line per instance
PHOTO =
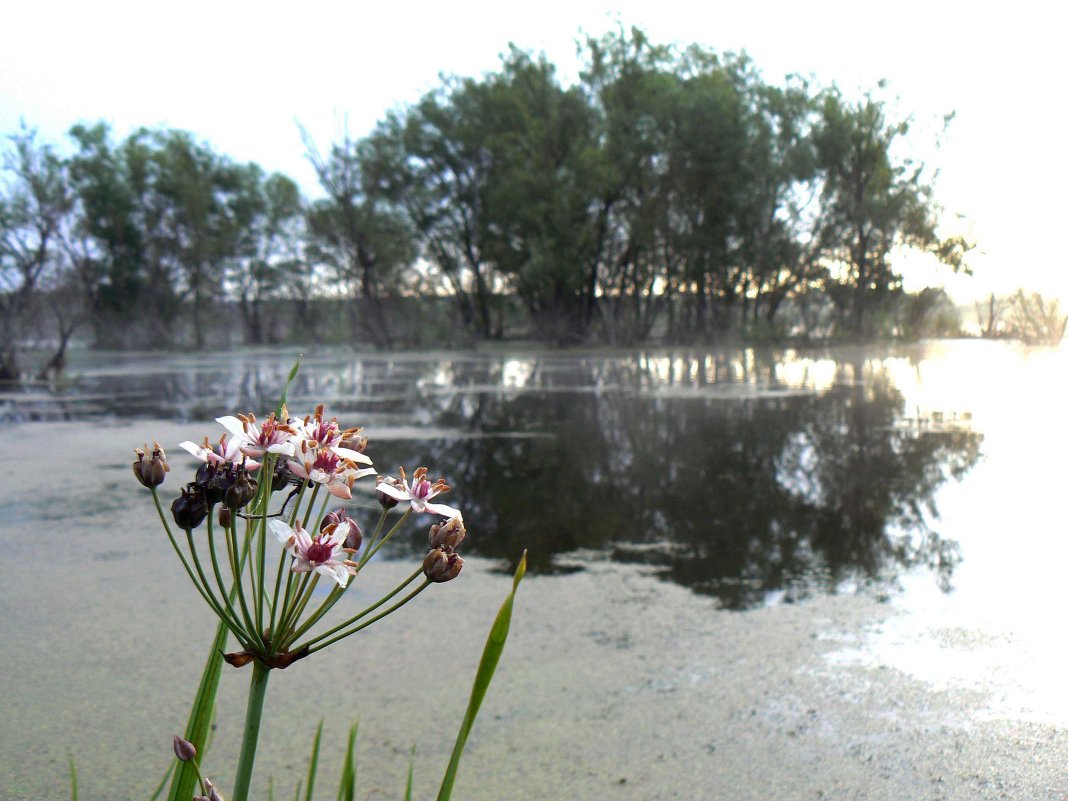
239,75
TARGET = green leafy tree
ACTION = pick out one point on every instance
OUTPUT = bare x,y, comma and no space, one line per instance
360,235
876,204
544,193
632,87
267,219
435,159
35,205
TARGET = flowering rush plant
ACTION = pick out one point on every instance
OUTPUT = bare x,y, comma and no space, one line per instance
261,526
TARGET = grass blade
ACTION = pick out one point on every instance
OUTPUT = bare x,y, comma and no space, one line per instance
313,763
285,389
73,781
411,771
346,791
185,777
491,655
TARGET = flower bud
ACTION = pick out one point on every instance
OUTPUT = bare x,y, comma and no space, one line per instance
354,539
226,517
281,476
388,501
355,442
183,749
334,517
338,517
213,792
205,473
242,491
151,471
190,508
219,483
450,533
442,564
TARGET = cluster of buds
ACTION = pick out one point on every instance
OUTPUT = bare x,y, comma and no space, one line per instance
213,793
226,483
443,563
216,482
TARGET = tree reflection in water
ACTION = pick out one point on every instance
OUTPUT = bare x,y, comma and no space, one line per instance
720,478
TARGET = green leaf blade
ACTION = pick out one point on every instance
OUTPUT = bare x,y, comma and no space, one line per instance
491,655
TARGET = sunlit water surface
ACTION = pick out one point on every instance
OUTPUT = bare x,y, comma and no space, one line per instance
929,478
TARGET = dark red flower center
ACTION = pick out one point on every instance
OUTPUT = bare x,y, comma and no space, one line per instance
327,461
320,552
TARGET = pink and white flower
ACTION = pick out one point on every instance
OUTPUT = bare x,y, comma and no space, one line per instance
419,493
320,433
327,467
255,439
324,554
226,450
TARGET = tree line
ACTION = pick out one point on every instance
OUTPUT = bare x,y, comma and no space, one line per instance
668,192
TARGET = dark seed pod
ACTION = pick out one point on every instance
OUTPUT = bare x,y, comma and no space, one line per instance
190,508
281,476
242,491
205,473
220,483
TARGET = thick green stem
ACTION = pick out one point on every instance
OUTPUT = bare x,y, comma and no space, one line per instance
257,691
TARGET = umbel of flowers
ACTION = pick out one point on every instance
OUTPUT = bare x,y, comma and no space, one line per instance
259,528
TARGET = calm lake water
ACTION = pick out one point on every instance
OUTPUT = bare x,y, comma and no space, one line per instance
901,506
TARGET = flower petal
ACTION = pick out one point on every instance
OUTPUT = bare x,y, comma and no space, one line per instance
339,489
198,451
330,571
442,509
388,489
351,455
233,425
297,468
304,540
281,530
284,448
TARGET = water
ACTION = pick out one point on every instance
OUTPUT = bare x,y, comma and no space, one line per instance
752,477
895,510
